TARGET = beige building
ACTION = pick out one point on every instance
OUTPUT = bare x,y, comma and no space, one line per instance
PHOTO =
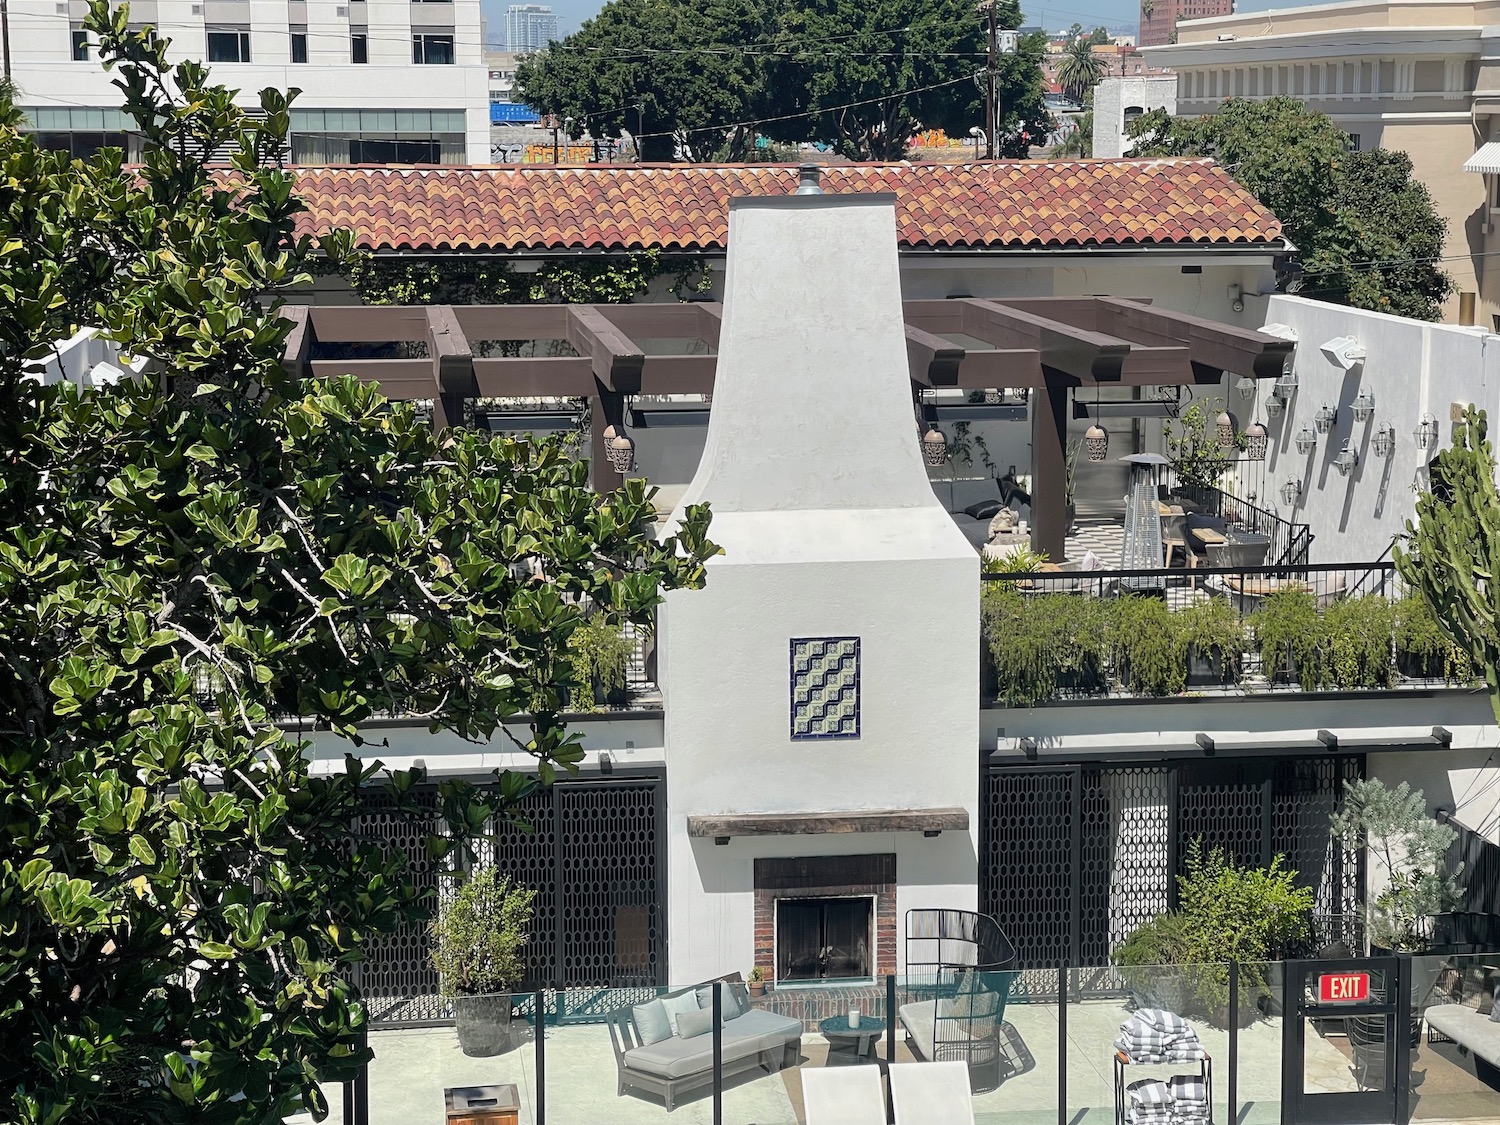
1422,76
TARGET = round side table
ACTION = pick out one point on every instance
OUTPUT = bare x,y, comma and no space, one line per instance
851,1045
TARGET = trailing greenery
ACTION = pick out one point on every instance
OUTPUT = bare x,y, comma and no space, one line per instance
1225,912
1286,627
1409,847
1213,632
1421,638
479,935
1448,557
1355,643
1148,646
701,80
1367,232
187,557
599,653
1044,644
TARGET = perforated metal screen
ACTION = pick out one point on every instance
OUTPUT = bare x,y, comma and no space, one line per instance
1074,858
592,850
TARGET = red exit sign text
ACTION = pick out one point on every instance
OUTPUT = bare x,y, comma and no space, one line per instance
1343,988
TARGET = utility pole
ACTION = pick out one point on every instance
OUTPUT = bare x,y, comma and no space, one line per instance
989,100
5,34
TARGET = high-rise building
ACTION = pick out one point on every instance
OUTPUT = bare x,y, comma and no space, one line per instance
529,27
363,100
1159,18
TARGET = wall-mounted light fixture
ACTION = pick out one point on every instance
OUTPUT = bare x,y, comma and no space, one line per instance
1426,432
1255,441
1275,404
1384,442
1291,492
1346,459
1363,406
1325,418
1246,387
1344,352
1306,440
1286,382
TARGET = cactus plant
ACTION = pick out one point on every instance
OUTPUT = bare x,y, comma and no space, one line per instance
1451,554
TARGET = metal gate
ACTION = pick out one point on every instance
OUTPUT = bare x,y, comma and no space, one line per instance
593,850
1074,858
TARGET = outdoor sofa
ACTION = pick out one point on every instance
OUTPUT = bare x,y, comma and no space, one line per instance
1472,1028
671,1065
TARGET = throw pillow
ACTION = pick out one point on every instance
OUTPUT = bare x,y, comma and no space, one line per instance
675,1005
694,1023
984,510
651,1023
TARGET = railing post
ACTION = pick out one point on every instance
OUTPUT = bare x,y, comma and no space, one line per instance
539,1013
1062,1045
1234,1044
718,1052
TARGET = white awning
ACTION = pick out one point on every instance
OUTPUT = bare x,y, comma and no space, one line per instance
1486,160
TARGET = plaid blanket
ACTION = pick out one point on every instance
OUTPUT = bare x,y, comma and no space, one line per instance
1155,1036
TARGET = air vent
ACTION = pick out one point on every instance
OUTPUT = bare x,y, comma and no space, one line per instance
343,10
197,9
62,9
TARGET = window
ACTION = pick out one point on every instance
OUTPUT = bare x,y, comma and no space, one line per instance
359,47
1353,141
395,151
80,46
299,46
228,46
434,50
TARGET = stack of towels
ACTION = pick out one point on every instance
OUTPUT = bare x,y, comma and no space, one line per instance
1182,1100
1153,1035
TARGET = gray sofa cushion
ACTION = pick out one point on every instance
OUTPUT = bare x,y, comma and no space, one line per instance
752,1033
1467,1026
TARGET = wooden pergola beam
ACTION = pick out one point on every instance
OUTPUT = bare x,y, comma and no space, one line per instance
615,359
934,361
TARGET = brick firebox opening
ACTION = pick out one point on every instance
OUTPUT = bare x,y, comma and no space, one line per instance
824,877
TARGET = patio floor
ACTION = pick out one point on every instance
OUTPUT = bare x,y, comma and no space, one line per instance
412,1068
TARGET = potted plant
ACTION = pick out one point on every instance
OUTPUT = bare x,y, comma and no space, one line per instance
757,981
1286,632
1045,644
478,943
1070,482
1150,959
1355,643
1150,653
1215,639
600,654
1423,650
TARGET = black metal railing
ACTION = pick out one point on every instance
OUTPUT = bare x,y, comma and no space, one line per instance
1289,542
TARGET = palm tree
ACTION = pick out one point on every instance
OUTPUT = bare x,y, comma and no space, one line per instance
1080,70
1080,142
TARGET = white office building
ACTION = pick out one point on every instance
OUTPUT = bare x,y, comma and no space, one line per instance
382,81
529,27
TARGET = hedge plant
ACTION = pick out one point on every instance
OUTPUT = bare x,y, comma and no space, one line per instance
1355,643
1214,632
1044,644
1286,625
1419,636
1148,646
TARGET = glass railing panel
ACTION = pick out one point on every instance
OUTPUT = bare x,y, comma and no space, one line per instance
625,1054
1451,1032
1157,1037
416,1068
1013,1061
1258,1056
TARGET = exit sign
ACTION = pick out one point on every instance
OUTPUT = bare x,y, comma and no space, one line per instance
1343,988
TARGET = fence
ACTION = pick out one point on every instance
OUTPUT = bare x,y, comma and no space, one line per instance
1290,542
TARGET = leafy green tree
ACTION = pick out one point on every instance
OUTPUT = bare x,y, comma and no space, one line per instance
1448,555
1080,70
1100,37
188,556
1080,142
700,79
1367,233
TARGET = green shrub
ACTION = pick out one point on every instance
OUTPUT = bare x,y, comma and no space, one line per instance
1356,643
1148,646
1286,624
1215,633
600,654
1041,644
1418,635
480,935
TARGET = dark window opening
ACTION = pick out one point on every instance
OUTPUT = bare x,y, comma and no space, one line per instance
433,50
359,47
823,938
82,146
229,46
80,46
299,46
395,152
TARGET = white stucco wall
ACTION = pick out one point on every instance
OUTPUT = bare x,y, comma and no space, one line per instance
1113,96
1411,368
829,525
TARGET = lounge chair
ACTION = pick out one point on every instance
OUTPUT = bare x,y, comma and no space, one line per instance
849,1095
931,1093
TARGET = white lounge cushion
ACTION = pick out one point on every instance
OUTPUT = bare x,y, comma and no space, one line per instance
1466,1025
849,1095
754,1032
931,1093
920,1020
686,1002
651,1022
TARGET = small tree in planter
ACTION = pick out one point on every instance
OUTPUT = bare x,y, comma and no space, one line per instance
479,943
1423,650
1409,846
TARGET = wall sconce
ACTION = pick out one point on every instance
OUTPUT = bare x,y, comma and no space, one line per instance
1224,425
934,447
1246,387
1346,459
1286,384
1426,432
1325,418
1385,441
1275,404
1096,442
1255,441
1306,440
1363,406
1291,492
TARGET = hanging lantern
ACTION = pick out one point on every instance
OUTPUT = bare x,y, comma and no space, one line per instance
1306,440
1363,406
1325,418
1286,383
1246,387
1255,441
1426,432
1291,492
1347,458
1224,427
1385,441
622,453
994,397
1096,442
1275,404
934,447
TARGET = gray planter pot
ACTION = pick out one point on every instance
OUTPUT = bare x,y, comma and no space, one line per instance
483,1024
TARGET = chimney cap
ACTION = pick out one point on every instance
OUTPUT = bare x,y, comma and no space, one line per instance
808,175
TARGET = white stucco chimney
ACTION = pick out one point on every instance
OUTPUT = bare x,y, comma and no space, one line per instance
831,663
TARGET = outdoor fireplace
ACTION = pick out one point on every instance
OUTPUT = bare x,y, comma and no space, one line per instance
821,938
826,917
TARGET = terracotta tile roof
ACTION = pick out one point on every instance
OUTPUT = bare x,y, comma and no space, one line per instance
1019,205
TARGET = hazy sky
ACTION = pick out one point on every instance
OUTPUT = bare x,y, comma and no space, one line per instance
1111,13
